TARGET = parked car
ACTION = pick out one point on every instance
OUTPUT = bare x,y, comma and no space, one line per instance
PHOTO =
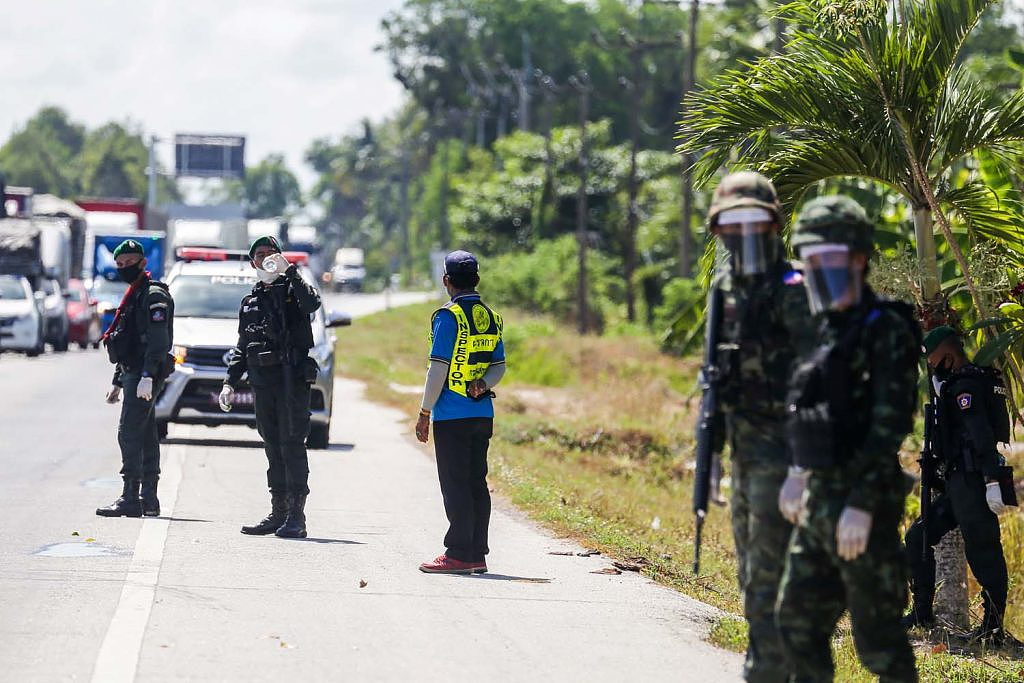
21,323
83,316
108,295
55,315
207,295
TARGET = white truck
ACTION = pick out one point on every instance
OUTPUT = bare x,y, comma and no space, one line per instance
349,270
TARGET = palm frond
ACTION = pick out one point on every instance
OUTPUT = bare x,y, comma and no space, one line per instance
972,116
987,214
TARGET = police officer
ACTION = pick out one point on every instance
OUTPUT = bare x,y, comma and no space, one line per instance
851,403
971,418
467,360
138,342
275,335
765,322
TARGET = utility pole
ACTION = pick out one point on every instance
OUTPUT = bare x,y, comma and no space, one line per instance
581,84
635,85
151,173
686,219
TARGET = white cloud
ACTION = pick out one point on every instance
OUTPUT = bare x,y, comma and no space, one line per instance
279,71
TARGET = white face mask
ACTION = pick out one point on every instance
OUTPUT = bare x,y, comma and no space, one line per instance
265,276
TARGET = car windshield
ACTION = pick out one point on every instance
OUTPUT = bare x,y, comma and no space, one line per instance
209,296
109,290
11,288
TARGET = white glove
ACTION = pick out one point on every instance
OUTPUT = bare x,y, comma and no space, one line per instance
145,389
226,398
280,263
994,498
791,495
852,533
114,395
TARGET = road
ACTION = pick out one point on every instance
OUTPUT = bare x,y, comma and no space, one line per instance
186,597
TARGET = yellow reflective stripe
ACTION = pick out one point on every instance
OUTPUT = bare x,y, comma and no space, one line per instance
461,372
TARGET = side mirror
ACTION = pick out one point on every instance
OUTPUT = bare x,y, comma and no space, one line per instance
338,319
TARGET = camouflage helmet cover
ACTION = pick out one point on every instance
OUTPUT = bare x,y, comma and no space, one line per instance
834,219
745,189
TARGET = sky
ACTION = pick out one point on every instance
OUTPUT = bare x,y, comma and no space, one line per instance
281,72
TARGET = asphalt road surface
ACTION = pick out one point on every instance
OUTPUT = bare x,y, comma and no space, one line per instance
186,597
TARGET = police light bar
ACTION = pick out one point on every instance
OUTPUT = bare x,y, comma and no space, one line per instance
207,254
299,258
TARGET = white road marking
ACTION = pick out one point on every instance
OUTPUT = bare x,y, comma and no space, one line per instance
118,658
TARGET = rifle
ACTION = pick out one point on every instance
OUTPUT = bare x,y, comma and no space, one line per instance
707,424
284,343
927,463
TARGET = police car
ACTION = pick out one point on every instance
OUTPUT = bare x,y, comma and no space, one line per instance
208,286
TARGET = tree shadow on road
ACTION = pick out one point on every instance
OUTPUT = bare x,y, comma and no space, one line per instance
181,519
326,541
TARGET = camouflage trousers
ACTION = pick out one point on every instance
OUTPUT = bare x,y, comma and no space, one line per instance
818,586
761,536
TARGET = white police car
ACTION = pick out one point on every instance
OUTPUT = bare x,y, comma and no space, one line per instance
208,286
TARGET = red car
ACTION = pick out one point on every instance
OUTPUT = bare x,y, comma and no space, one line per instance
83,318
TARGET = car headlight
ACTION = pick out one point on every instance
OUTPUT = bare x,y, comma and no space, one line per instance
179,352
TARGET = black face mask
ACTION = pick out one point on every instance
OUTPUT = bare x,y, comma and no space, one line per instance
130,274
943,370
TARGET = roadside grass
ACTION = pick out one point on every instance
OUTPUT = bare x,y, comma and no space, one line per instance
594,439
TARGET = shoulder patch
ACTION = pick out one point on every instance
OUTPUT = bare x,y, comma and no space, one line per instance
964,400
158,313
793,277
873,316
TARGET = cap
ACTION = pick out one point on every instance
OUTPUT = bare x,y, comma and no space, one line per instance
265,241
745,189
129,247
460,263
935,337
834,219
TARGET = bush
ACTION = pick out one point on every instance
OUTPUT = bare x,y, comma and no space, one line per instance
680,318
545,281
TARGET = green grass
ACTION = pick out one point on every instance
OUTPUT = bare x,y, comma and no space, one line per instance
594,438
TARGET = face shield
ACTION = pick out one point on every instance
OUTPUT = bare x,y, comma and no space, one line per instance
749,235
832,283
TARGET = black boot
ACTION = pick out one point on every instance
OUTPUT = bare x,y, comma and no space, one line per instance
991,630
150,503
270,523
295,525
128,505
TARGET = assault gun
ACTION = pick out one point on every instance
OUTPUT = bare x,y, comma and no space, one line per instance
928,467
708,423
284,345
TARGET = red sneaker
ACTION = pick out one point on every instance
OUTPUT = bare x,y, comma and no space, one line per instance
443,564
479,567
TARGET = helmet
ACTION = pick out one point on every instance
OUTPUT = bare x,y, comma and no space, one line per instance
745,189
834,219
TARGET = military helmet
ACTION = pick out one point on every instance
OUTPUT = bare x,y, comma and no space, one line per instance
834,219
745,189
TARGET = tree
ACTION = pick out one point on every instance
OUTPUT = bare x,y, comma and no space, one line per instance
875,90
113,162
41,155
270,189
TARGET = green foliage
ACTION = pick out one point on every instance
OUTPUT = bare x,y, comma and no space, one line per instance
270,188
545,280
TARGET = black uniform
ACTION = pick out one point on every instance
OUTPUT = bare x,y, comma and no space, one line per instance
972,418
138,344
275,335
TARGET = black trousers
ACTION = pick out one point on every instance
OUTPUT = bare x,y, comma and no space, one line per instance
460,447
962,505
137,433
288,466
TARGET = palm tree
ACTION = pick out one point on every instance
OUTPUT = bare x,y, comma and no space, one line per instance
872,89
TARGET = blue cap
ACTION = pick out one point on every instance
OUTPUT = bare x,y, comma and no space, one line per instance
460,263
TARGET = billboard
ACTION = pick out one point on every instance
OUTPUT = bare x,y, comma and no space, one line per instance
209,156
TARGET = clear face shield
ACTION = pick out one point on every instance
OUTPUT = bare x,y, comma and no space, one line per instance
749,235
833,284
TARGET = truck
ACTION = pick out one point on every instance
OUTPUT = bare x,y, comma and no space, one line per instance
107,289
211,234
349,270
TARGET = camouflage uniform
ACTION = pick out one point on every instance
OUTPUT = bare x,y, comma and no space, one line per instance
765,319
851,404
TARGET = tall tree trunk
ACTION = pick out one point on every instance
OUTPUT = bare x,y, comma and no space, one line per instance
689,80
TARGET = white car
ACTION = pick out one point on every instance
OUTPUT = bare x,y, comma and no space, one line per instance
21,323
207,295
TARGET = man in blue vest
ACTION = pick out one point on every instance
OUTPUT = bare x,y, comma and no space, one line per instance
467,359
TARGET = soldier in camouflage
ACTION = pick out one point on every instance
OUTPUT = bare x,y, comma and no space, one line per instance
850,404
765,321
